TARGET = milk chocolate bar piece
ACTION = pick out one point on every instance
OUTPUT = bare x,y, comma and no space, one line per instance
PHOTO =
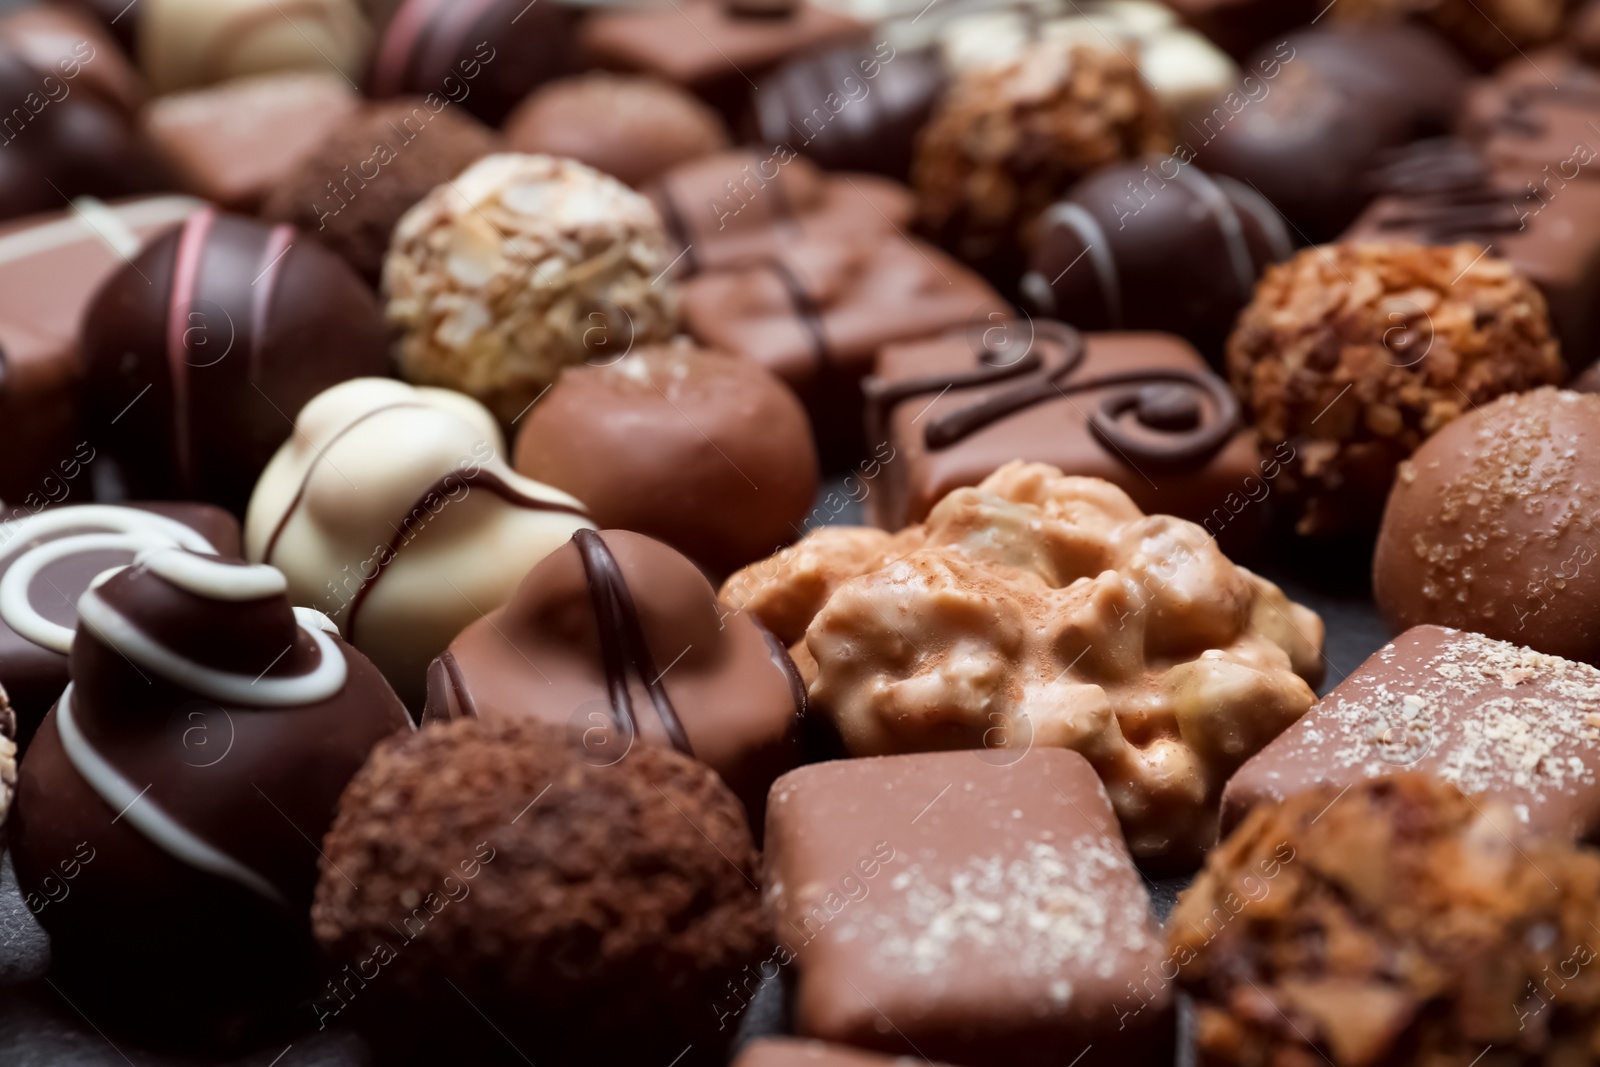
792,1052
945,906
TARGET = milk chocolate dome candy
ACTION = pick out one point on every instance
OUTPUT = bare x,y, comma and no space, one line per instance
190,768
199,351
392,511
520,904
1491,527
620,639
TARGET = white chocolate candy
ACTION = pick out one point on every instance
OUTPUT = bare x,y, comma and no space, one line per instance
185,44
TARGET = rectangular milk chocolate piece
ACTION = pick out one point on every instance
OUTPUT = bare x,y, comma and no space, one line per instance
1488,716
791,1052
950,906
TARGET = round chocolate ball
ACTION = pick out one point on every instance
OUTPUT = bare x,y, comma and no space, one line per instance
1491,526
729,469
351,191
201,349
504,891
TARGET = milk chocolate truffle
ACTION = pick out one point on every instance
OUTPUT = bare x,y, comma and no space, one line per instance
392,510
1489,527
184,44
515,894
351,189
1396,923
520,266
1353,354
1004,142
201,348
188,772
1140,646
632,128
729,466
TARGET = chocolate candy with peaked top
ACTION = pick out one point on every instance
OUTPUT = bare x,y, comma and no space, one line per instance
621,640
729,469
1490,526
988,911
188,772
185,44
485,55
86,541
1154,245
1140,410
392,510
200,350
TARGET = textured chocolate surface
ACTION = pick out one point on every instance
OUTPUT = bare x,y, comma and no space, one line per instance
990,913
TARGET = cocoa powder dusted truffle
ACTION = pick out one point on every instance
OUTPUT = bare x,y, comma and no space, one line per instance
520,266
1353,354
1396,923
591,914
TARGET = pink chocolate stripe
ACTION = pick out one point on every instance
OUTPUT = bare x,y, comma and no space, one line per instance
398,44
272,257
185,278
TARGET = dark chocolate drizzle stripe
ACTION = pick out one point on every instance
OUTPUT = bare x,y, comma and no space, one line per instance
1448,193
1519,116
623,648
458,686
785,663
805,309
677,227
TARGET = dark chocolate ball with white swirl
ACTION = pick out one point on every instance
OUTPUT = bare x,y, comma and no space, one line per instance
621,639
185,779
200,350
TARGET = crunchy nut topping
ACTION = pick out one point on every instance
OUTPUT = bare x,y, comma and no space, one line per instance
1040,609
1356,353
519,266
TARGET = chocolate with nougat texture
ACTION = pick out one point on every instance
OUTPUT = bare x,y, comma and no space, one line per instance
622,642
986,908
198,351
185,776
596,913
1494,719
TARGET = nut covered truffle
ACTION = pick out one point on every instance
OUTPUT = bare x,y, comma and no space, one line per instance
590,914
1395,923
520,266
1038,609
1354,354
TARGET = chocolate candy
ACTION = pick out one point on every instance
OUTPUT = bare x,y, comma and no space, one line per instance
485,55
87,540
1140,410
1488,31
1154,245
1537,122
792,1052
942,906
391,510
729,469
200,349
662,663
185,44
72,44
1490,524
233,143
188,772
50,267
1239,26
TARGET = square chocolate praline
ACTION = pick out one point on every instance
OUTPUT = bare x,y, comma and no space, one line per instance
1490,717
944,906
1219,489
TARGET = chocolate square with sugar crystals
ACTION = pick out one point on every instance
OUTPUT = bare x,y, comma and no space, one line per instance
948,906
1488,716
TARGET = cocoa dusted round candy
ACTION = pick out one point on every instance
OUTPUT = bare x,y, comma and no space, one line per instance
185,778
730,468
506,891
199,351
1491,526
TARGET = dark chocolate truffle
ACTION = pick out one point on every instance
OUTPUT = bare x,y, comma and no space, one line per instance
1353,354
622,640
349,193
486,886
1488,31
185,44
727,466
189,771
631,128
1395,923
201,349
1490,527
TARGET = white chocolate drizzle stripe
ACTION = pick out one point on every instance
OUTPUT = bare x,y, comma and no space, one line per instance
211,578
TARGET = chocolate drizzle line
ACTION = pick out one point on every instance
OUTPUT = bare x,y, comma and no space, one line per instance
1448,193
623,649
458,685
805,307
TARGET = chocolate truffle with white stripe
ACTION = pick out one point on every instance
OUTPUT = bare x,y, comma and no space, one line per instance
199,351
189,771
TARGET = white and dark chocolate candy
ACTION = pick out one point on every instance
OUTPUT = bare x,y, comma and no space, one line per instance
621,640
190,768
393,510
